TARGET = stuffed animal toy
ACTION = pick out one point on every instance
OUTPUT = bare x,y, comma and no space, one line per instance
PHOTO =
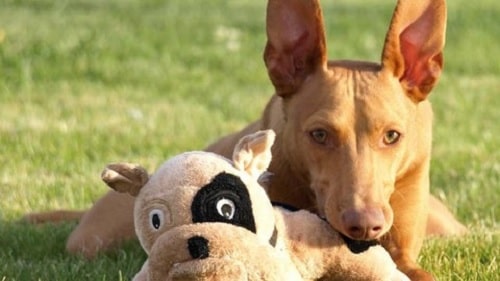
201,216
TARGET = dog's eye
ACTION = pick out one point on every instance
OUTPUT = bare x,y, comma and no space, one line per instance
156,218
319,136
391,137
225,208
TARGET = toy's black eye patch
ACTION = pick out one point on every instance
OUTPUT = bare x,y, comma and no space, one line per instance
224,199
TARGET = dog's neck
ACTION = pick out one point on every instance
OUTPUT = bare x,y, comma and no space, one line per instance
292,178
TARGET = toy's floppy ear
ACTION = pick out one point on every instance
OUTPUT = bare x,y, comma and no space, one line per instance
252,153
125,177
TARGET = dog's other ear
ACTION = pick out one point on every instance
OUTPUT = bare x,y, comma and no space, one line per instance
252,153
295,42
125,177
414,45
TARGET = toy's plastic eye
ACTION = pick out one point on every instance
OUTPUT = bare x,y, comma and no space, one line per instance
156,218
225,208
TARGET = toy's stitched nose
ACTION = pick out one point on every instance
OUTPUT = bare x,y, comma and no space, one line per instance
198,247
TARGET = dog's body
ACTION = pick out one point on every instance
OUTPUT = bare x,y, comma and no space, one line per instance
353,138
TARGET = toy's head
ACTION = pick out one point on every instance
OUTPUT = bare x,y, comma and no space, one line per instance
198,187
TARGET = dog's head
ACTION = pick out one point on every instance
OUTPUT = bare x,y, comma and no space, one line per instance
354,128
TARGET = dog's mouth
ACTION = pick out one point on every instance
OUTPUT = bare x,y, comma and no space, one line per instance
358,246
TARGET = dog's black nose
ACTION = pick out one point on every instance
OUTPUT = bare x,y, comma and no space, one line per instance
198,247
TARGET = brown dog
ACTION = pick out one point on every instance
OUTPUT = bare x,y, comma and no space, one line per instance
353,138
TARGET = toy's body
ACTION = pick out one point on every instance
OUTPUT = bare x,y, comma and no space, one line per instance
204,217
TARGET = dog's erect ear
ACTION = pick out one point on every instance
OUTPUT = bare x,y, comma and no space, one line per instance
414,45
252,153
295,42
125,177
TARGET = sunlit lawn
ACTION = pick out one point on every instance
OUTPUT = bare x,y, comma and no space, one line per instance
85,83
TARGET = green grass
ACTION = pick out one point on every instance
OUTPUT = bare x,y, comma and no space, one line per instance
85,83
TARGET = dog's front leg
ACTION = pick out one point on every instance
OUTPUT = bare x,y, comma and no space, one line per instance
410,205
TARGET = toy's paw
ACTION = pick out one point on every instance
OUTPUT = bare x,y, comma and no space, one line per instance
208,269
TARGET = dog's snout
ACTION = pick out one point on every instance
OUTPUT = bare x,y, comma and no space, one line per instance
198,247
363,224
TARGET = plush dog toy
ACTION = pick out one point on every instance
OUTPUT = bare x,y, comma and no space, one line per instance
201,216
